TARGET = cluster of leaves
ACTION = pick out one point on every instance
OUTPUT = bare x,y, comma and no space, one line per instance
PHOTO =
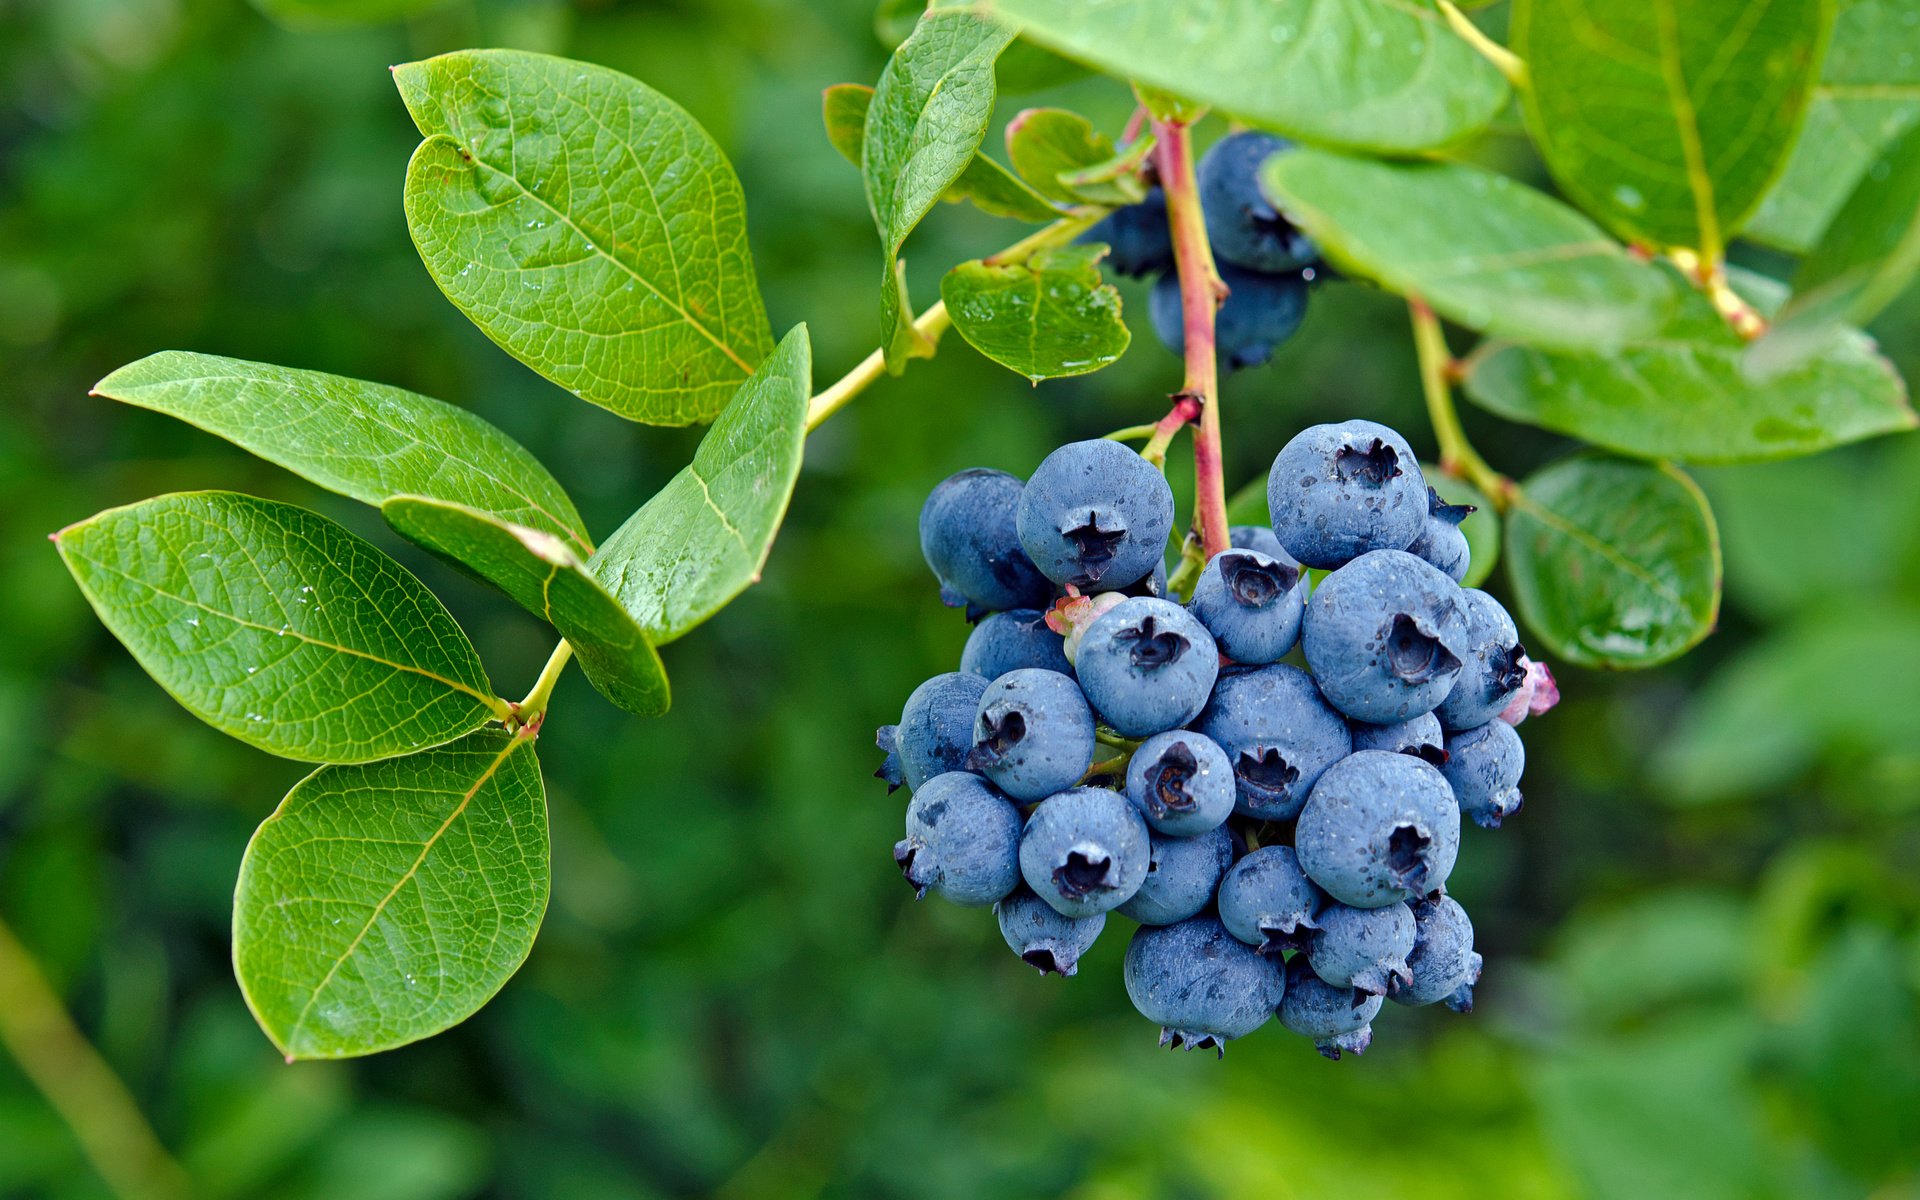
592,229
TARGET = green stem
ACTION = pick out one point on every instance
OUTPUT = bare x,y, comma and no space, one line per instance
1457,455
530,712
78,1083
1132,433
1504,60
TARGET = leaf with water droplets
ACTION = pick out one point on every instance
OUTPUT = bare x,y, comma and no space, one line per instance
385,902
589,226
1614,563
278,627
1044,318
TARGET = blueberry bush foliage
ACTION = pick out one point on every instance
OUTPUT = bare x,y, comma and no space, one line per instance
593,230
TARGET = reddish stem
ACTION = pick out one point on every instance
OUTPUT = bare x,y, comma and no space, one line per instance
1185,411
1201,292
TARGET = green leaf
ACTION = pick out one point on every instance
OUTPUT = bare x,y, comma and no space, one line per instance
1044,318
589,226
278,627
365,440
1482,249
1668,119
1614,563
1681,393
1869,92
929,114
383,903
703,538
343,14
992,188
1482,526
1046,144
1387,77
545,576
1868,256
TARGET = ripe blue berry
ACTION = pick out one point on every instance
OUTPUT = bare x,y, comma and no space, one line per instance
1032,733
1384,637
1182,874
1138,239
1442,965
1146,665
935,730
1267,901
1251,603
1008,641
1201,986
1421,737
1338,491
1042,937
1181,782
1260,313
1278,733
1096,515
1483,766
1245,228
1339,1020
1085,851
969,537
1440,541
1363,948
1257,537
1492,663
963,839
1379,828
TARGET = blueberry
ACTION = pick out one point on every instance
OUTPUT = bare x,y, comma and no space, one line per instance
969,536
1260,313
1442,965
1182,874
1257,537
1096,515
1085,851
1363,948
1243,225
1146,665
1339,1020
1251,603
1493,664
1181,782
1267,901
1008,641
1154,584
1440,541
963,840
1338,491
1199,984
1278,733
1483,766
1042,937
935,730
1379,828
1032,733
1139,241
1385,637
1420,737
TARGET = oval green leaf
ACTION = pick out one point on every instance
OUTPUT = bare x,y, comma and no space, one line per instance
1868,93
924,127
1668,119
1047,145
1045,318
991,187
703,538
1614,563
383,903
278,627
1683,394
543,575
1482,526
1359,74
1485,251
365,440
589,226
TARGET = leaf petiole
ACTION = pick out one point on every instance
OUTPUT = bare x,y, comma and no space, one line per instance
530,712
1457,455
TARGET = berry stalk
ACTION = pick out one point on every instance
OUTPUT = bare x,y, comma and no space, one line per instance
1201,292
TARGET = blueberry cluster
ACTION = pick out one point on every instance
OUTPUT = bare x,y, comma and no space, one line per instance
1263,259
1282,831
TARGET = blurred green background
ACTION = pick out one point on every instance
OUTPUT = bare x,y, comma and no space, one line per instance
1702,937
